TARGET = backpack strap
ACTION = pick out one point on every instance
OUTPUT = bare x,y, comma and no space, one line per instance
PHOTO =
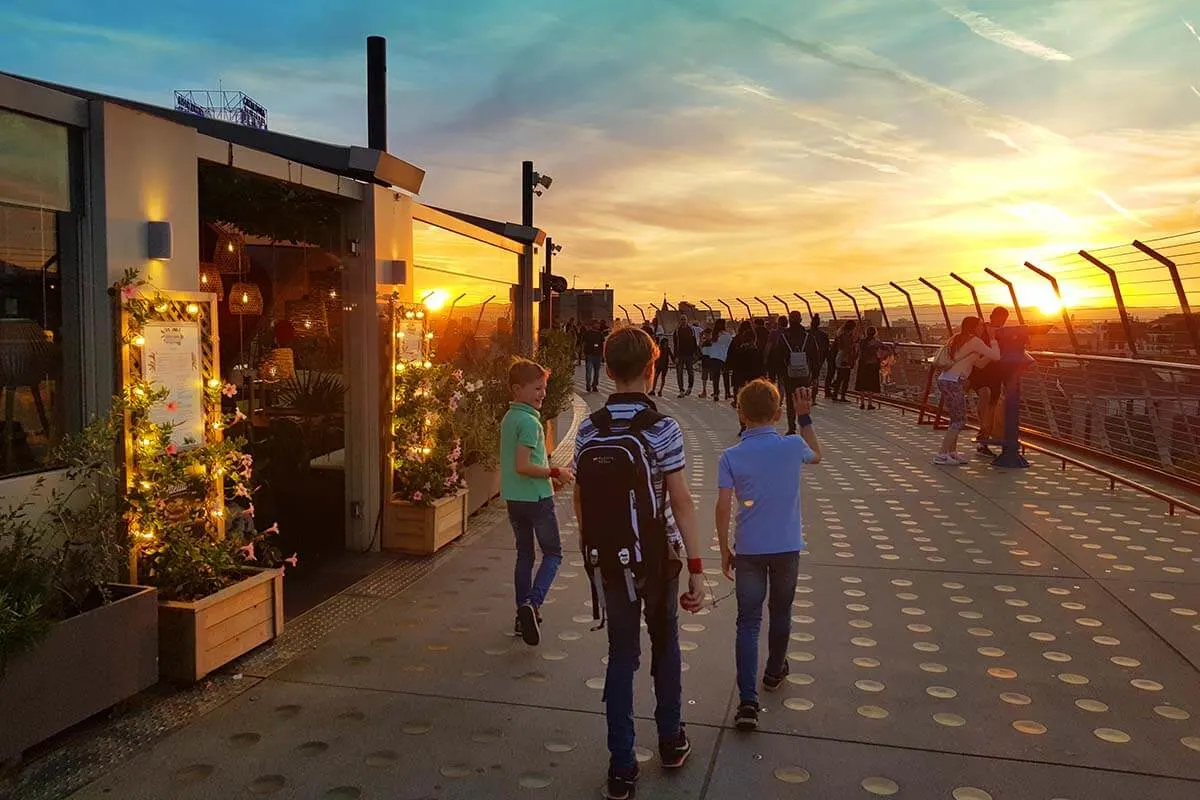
603,420
644,420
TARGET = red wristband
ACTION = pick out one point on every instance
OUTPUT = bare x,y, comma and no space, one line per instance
554,473
695,566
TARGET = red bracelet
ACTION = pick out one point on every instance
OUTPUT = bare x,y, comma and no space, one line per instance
695,566
554,473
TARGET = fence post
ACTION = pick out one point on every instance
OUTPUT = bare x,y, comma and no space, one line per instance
749,313
1012,292
1120,298
643,313
707,306
832,310
974,294
857,313
942,303
886,322
804,300
912,310
1066,313
786,307
727,308
765,306
626,313
1184,305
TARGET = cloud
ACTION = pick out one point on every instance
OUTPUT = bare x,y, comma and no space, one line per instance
993,31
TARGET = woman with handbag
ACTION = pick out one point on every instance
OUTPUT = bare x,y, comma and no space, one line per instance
956,360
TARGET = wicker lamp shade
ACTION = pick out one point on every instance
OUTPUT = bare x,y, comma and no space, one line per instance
327,285
308,316
245,299
279,365
229,249
210,280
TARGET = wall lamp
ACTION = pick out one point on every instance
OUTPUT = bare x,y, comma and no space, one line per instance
158,241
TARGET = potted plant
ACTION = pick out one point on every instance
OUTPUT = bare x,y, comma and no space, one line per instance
484,400
428,506
556,352
74,640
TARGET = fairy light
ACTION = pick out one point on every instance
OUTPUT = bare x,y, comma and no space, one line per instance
139,341
214,383
193,309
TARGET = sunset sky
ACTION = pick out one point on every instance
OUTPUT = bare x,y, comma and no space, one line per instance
713,147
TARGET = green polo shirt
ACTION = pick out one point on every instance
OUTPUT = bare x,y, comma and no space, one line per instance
522,425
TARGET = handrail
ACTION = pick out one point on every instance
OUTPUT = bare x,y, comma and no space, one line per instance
1133,362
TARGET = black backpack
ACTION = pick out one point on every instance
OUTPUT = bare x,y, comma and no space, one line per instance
685,346
623,521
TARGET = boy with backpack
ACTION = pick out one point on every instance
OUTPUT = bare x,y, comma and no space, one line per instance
635,516
763,471
527,483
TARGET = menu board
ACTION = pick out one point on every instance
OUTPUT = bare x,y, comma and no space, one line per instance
171,360
410,340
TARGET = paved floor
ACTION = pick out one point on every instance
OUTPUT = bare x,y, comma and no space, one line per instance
958,633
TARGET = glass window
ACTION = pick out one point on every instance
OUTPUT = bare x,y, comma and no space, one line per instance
466,284
34,163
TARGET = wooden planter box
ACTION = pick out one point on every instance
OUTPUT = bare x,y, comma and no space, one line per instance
423,530
197,637
482,485
87,664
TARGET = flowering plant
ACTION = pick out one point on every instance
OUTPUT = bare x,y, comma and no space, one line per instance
189,509
427,451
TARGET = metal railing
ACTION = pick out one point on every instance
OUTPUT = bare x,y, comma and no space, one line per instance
1145,414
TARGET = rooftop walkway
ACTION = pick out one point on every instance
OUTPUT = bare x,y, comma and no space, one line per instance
959,633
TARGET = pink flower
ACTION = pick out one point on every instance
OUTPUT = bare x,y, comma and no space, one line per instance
248,551
172,406
241,491
229,390
292,559
238,416
417,497
250,510
458,374
271,530
128,292
172,449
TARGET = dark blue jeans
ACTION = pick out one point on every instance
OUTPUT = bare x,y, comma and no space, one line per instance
594,364
771,578
624,656
535,521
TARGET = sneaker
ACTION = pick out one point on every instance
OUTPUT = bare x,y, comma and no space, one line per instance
528,619
945,460
960,458
621,784
772,682
746,718
517,626
674,751
682,395
984,450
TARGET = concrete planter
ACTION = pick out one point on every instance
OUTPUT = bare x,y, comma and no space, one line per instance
423,530
482,486
197,637
87,664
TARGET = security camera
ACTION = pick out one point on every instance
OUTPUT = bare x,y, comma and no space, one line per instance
545,180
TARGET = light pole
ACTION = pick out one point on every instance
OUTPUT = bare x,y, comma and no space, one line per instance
546,316
531,184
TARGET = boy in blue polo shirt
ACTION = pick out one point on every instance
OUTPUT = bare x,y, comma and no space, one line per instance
763,471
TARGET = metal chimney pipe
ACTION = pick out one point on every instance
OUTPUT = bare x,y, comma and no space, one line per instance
377,138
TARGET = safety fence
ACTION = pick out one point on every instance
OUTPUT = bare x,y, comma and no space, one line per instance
1143,413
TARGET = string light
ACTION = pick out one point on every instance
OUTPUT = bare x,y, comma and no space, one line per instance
193,309
139,340
214,383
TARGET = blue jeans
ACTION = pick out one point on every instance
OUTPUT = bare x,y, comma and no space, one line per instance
758,578
530,521
594,363
624,657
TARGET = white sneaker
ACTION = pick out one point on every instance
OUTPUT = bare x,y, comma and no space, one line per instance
946,460
960,458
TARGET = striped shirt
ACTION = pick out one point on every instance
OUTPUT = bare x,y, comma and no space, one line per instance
665,440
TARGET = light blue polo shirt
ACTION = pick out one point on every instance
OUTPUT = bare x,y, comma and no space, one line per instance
764,472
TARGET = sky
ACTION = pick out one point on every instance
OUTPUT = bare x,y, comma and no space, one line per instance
713,148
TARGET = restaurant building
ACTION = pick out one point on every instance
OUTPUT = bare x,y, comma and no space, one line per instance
303,242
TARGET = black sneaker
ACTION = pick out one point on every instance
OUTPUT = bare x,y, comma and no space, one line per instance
746,718
984,450
621,784
527,617
517,626
674,751
772,682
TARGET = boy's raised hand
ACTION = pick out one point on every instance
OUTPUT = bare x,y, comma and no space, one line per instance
803,400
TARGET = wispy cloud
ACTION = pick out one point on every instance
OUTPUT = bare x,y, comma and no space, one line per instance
993,31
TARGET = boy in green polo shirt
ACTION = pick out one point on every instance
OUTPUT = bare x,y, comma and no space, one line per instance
527,483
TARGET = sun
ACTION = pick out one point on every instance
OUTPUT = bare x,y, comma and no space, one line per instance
436,300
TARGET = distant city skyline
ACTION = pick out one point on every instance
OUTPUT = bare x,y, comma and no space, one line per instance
725,148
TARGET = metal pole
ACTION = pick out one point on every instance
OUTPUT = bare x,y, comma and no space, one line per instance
479,319
450,313
1120,298
710,308
804,300
1184,305
974,294
643,313
912,310
546,316
764,305
832,310
786,307
1066,314
1012,292
377,138
942,303
626,313
857,313
727,308
523,311
749,313
886,323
